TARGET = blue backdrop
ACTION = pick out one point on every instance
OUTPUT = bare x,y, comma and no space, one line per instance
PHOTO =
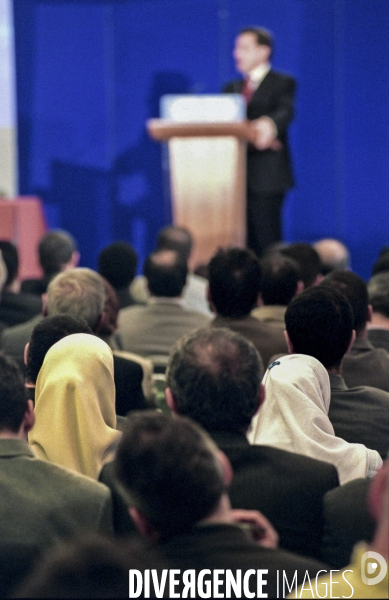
90,73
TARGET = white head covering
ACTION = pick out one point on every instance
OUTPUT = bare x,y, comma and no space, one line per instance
75,405
294,417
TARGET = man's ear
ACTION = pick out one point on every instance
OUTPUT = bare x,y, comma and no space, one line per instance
44,304
369,313
299,287
25,353
170,400
288,342
227,468
352,340
29,417
142,525
209,299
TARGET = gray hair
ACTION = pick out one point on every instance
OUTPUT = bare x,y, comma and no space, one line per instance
78,292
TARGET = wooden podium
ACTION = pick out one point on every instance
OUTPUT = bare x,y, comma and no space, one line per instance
208,180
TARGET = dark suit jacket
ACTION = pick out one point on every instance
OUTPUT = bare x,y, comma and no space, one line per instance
128,376
18,308
379,337
270,171
360,414
366,365
227,546
287,488
266,337
42,503
346,521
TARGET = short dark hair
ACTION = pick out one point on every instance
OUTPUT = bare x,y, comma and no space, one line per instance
234,281
381,264
47,333
307,259
13,398
117,264
280,276
319,322
263,36
175,238
166,272
355,290
170,470
215,376
55,250
378,290
11,259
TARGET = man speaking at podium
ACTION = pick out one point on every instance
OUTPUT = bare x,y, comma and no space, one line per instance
269,96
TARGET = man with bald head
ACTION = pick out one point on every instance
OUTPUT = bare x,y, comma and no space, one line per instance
152,330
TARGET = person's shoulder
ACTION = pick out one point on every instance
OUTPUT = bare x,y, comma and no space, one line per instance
233,87
299,463
69,483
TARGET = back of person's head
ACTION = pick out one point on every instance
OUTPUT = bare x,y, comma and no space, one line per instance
214,376
381,264
45,334
280,278
88,567
55,250
117,264
334,255
170,470
176,238
13,399
319,322
234,281
166,272
355,290
308,261
11,259
79,292
378,291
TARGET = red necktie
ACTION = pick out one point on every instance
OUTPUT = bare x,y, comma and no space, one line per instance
247,89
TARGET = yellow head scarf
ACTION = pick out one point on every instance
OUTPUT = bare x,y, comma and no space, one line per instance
75,405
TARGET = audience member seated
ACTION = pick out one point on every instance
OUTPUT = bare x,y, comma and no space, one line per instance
117,264
378,327
347,521
57,252
176,479
361,578
81,293
308,261
320,323
75,405
152,330
214,378
89,567
194,294
15,307
234,291
128,395
334,255
280,283
382,263
45,334
364,364
295,417
41,503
